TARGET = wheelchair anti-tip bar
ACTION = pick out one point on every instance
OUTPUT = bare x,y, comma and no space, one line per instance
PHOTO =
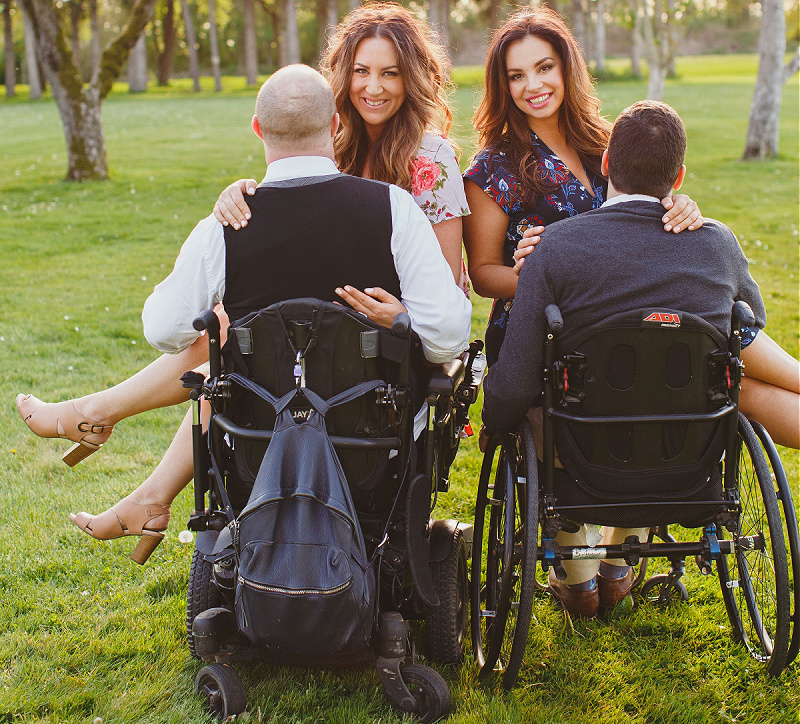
345,443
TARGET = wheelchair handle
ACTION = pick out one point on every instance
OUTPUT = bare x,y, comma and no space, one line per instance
401,325
743,312
554,321
209,321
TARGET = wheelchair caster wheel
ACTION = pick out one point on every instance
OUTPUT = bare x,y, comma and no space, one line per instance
659,589
430,692
222,690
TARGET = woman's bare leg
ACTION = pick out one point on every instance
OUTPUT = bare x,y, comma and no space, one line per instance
770,391
777,409
157,385
176,469
765,360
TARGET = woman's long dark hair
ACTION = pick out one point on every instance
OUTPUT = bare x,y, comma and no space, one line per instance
424,69
502,126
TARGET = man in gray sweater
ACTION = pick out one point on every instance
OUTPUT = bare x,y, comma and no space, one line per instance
614,259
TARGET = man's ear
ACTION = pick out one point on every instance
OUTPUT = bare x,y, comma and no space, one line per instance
604,164
256,126
679,181
334,124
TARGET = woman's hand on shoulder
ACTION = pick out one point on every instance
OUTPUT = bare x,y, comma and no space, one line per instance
231,208
530,238
682,213
375,303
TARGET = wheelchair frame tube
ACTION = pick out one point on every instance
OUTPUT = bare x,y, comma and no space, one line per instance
198,459
346,443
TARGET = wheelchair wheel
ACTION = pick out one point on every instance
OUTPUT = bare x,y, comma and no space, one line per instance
202,594
755,582
430,692
446,625
789,519
222,689
505,537
659,589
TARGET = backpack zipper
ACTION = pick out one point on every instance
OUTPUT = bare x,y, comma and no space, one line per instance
294,591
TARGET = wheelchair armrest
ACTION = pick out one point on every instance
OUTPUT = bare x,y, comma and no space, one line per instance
446,378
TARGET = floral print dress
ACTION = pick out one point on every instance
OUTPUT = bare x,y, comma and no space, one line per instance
436,182
490,171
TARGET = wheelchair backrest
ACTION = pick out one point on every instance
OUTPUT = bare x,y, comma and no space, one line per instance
340,348
652,381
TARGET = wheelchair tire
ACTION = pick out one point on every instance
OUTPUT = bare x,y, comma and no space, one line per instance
755,583
430,691
789,518
202,594
503,570
446,625
222,690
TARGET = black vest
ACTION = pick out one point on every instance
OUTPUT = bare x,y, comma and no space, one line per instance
305,239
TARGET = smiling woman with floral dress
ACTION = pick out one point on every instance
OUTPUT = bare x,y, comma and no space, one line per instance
389,77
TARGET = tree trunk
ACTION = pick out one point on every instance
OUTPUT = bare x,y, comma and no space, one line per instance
250,48
78,106
353,4
137,66
578,25
762,131
600,37
291,39
191,41
168,37
31,57
273,12
212,35
660,44
95,22
636,39
11,60
75,12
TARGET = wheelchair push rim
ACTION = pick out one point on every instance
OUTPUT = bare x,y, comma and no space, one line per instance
755,582
503,563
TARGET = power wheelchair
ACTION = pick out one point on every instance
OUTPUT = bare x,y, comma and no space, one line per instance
420,564
643,413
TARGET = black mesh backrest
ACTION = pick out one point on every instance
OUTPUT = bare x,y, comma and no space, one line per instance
258,348
650,362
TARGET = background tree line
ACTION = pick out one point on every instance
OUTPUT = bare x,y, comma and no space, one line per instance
80,47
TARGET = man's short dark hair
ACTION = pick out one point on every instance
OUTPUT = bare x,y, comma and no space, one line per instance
646,149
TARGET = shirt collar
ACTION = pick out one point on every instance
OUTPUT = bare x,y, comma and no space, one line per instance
300,167
622,198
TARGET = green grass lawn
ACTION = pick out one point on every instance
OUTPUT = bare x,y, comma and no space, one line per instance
88,636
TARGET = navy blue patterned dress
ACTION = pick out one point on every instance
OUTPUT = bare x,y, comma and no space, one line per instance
490,171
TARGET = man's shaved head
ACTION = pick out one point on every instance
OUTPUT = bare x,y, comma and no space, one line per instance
294,110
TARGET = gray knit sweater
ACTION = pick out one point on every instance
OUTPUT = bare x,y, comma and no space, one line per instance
610,260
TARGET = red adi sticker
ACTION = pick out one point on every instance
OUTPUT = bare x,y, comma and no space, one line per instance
663,319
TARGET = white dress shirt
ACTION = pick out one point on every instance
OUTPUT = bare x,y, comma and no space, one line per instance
439,311
622,198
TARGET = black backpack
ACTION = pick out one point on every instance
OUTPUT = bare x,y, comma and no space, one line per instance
304,584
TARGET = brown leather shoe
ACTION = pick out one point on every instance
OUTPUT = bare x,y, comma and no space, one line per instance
614,590
581,604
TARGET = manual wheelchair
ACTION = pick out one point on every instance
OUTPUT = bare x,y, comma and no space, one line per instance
420,564
643,413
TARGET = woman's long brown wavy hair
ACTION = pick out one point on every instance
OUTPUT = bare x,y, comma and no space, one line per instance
424,68
502,126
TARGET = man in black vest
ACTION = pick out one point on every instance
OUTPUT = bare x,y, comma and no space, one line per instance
315,232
